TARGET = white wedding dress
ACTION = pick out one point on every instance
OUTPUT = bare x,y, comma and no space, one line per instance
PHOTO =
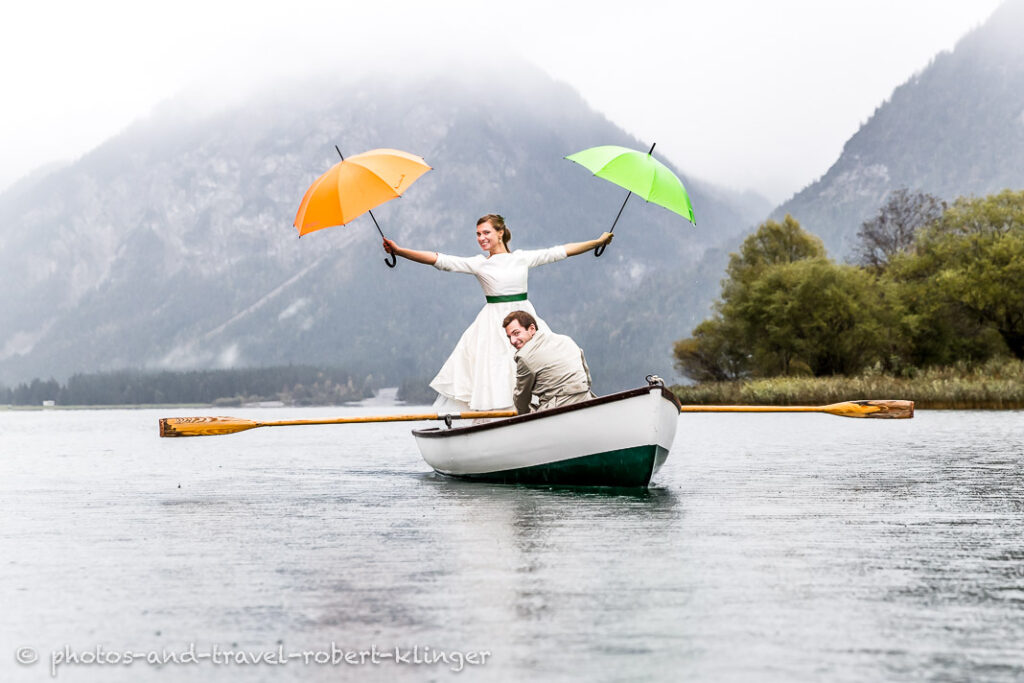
480,374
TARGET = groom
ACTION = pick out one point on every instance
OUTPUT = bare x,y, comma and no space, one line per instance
547,364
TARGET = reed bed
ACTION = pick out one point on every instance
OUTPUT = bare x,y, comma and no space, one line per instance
995,385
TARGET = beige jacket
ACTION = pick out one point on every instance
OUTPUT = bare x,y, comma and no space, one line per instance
552,367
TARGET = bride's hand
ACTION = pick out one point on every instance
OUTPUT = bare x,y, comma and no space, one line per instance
389,246
605,238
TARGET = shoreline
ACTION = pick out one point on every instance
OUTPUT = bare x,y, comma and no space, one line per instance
997,385
927,404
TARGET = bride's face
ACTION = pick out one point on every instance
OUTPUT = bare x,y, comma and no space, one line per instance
488,238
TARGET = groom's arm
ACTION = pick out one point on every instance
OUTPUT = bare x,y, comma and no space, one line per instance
525,379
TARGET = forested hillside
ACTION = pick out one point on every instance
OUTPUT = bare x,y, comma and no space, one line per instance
954,129
171,246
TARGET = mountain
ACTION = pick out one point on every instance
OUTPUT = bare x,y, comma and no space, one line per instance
954,129
171,246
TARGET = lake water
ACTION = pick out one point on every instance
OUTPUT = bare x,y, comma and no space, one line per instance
771,548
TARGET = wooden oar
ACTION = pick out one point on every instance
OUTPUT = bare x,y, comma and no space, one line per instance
213,426
883,409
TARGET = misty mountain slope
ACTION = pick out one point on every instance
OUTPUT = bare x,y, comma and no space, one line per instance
171,245
954,129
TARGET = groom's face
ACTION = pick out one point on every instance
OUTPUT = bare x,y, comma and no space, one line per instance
519,335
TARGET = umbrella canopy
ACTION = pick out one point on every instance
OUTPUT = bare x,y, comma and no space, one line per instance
355,185
640,173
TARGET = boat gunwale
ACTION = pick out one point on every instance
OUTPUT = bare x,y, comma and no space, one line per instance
438,433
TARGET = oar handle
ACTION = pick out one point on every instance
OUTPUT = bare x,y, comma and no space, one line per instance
214,426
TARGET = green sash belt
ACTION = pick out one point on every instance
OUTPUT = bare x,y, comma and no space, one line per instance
506,297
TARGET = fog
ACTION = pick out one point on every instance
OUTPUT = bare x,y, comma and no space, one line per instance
740,93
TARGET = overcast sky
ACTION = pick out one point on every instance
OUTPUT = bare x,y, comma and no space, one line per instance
744,93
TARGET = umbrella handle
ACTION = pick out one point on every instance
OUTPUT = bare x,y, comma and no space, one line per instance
600,248
391,260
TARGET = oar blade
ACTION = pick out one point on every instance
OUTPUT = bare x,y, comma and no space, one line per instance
885,409
204,426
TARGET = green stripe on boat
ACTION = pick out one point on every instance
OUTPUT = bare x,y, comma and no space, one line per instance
505,298
625,467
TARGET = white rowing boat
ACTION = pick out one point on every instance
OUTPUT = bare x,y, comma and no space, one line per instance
617,440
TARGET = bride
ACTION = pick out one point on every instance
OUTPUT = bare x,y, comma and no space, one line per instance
480,373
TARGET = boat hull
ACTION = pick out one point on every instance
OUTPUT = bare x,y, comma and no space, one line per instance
619,440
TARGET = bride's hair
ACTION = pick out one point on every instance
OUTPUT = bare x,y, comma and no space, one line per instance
498,223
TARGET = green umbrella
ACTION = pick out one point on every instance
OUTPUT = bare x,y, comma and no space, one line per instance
641,174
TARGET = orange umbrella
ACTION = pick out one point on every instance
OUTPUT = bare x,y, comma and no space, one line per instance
356,185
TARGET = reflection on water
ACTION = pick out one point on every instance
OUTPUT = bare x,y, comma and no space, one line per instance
778,547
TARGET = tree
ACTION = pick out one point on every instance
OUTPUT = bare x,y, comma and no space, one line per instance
35,392
893,229
816,317
773,243
967,271
787,309
721,347
712,354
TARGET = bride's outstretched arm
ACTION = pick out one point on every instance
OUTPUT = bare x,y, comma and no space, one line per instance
574,248
427,257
